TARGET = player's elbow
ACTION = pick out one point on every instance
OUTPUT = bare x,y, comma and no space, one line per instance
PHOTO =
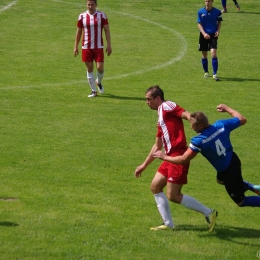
243,121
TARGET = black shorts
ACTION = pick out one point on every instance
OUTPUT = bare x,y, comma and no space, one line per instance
233,180
206,45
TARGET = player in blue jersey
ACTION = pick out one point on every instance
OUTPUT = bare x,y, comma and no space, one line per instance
224,4
209,23
213,142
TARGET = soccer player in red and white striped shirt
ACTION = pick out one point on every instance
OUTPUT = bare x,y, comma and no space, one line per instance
90,26
170,136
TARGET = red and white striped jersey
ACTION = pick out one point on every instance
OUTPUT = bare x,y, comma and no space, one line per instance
92,29
170,127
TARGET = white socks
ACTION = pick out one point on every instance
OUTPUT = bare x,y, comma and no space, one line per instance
187,201
99,77
164,209
191,203
91,81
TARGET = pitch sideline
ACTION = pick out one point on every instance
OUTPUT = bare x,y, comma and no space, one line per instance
7,6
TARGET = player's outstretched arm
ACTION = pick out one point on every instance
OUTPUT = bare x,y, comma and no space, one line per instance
182,159
232,112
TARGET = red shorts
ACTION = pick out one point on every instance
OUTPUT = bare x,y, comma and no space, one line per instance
90,55
175,173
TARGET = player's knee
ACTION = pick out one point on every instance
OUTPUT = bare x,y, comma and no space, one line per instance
174,198
152,188
155,189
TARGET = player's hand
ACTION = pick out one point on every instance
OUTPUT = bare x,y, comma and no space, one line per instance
222,108
216,34
76,52
139,170
159,154
108,51
206,36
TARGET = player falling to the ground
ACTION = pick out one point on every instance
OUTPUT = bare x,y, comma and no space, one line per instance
213,142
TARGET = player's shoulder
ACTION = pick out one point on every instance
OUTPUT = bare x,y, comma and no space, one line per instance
226,121
218,123
168,105
196,141
216,10
201,10
83,14
101,13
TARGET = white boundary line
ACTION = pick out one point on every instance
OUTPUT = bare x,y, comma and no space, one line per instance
179,56
171,61
7,6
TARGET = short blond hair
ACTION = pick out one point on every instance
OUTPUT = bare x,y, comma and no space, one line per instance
200,118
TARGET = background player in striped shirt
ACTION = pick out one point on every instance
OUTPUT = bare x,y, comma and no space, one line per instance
170,136
90,26
213,142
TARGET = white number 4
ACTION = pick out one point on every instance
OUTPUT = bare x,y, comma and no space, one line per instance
220,148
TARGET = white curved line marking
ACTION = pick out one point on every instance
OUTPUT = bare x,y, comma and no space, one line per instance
180,55
7,6
171,61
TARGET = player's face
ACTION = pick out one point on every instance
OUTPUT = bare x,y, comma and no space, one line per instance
151,101
208,3
91,5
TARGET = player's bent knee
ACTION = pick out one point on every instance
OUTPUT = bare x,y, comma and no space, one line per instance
174,199
155,189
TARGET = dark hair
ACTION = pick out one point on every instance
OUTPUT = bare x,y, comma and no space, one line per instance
200,118
93,1
155,92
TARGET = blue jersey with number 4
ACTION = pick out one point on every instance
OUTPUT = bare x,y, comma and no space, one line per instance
214,143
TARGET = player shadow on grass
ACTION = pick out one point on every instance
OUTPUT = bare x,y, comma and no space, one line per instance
245,12
238,79
8,224
122,97
226,233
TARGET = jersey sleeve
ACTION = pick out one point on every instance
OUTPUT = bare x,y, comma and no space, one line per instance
220,19
159,131
199,20
80,22
104,19
231,123
178,110
194,145
194,148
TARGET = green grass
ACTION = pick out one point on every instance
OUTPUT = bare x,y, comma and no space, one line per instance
67,162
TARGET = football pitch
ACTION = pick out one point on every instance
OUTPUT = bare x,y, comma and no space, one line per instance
67,161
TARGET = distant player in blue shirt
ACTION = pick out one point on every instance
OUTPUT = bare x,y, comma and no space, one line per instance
209,23
224,4
213,142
